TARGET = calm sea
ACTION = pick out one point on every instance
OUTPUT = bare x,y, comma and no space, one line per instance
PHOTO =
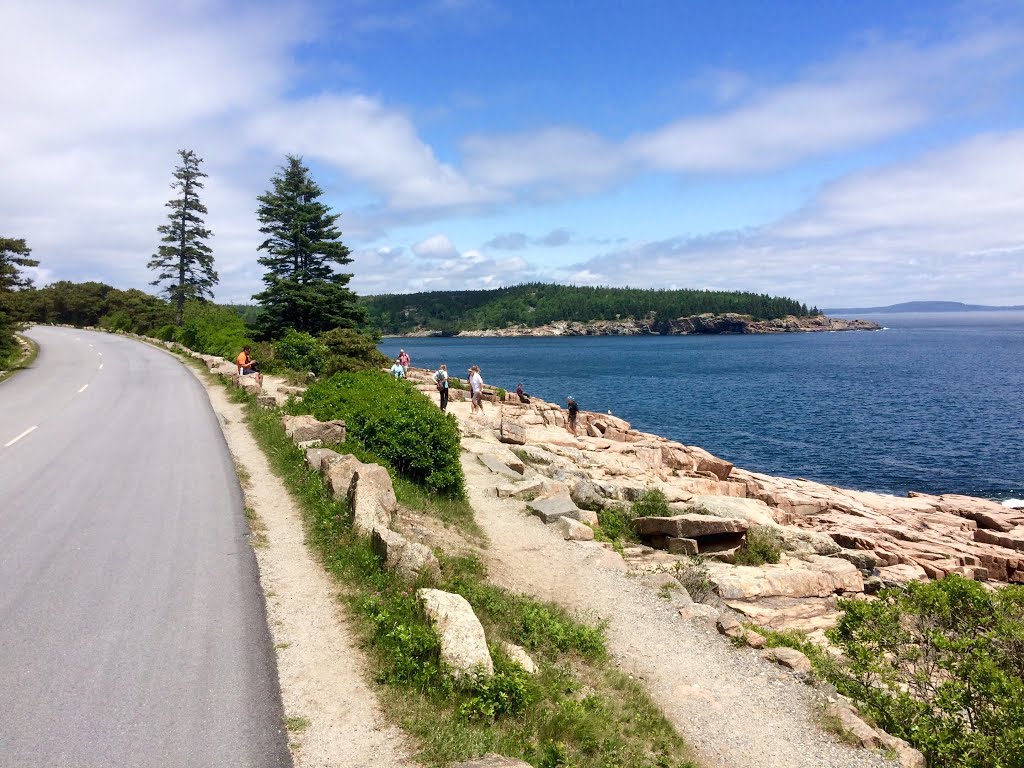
933,403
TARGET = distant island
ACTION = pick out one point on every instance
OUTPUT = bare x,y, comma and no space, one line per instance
543,309
922,306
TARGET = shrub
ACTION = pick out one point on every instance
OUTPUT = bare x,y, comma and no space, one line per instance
349,351
940,664
214,330
616,521
694,577
298,351
395,422
761,545
651,504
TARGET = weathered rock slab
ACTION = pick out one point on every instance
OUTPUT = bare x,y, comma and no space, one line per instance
371,498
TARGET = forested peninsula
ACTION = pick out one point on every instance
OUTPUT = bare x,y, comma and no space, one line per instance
541,309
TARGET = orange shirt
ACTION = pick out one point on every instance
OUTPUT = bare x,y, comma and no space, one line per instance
243,359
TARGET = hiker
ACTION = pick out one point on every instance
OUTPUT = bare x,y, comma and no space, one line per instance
523,397
573,413
476,386
398,370
247,365
403,360
441,379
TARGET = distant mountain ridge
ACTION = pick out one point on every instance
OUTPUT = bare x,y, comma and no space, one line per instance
923,306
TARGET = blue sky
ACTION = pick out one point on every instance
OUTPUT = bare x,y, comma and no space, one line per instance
842,153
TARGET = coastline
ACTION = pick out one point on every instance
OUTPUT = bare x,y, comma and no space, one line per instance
704,324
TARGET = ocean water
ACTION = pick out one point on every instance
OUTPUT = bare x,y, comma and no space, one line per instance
933,403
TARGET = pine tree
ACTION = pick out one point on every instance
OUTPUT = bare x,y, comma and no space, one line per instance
13,254
185,263
302,289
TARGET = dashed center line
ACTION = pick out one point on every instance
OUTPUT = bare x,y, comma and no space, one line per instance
9,443
101,367
84,387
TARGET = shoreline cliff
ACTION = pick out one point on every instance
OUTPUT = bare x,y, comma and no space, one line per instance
705,324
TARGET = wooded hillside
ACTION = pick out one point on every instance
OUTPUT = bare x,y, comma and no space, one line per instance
535,304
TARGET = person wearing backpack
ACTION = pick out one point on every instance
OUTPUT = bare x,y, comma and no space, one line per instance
441,379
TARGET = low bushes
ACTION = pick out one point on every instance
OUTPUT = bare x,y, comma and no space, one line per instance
395,422
941,665
760,545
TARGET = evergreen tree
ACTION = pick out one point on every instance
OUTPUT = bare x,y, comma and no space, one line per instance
302,289
13,254
185,263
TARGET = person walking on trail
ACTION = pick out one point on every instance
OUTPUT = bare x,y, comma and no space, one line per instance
476,387
441,379
574,411
403,360
398,370
523,397
246,365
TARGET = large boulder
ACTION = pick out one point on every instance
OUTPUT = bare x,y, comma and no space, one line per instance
463,643
512,432
302,429
398,553
337,472
371,498
315,458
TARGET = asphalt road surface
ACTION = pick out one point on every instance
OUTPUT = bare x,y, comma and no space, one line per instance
132,626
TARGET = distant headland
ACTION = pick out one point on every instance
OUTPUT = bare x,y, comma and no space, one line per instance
923,306
542,309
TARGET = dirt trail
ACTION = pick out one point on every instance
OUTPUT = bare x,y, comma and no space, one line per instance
320,666
735,709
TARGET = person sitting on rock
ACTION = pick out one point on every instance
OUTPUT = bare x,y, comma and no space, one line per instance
247,365
523,397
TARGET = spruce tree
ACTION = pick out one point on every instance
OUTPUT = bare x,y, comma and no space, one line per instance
303,291
13,254
185,262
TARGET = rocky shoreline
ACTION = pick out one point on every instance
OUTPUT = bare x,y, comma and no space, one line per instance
705,324
835,542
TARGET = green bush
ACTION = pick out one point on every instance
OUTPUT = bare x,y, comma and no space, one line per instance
392,420
616,521
652,503
166,333
760,545
298,351
214,330
941,665
349,351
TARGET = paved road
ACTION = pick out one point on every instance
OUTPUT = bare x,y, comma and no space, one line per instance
132,626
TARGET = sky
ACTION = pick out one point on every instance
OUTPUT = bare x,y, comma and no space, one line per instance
847,153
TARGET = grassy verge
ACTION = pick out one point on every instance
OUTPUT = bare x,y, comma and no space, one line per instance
23,358
578,710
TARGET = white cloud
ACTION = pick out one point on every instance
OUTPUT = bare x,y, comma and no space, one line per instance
944,226
371,144
435,247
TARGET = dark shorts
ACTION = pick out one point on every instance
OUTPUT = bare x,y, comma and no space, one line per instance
247,371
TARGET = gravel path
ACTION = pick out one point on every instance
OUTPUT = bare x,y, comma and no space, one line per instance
735,709
320,666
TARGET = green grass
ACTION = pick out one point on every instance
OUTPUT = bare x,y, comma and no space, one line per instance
296,724
578,710
22,358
